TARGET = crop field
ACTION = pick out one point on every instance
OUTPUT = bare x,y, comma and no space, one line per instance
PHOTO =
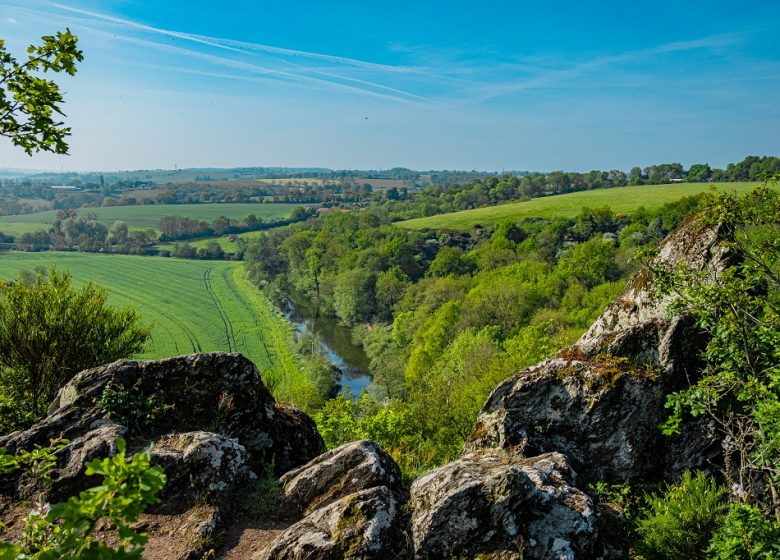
622,200
193,306
148,216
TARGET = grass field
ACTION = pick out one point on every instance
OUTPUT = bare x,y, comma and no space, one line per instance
193,306
224,241
622,200
148,216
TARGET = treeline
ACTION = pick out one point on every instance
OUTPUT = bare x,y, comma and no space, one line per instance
445,316
175,228
87,233
440,199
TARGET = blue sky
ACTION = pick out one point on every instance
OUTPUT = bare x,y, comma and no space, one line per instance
427,85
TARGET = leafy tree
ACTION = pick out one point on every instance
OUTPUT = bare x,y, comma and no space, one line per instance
353,296
50,331
29,104
450,261
390,287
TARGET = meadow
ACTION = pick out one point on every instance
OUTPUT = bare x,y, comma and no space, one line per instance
194,306
224,241
622,200
148,216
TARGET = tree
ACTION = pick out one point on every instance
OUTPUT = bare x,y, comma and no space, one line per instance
29,104
49,331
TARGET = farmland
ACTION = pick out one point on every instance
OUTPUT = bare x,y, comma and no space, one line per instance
193,306
148,216
622,200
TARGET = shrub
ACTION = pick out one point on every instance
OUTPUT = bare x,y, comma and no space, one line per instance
50,331
746,534
678,524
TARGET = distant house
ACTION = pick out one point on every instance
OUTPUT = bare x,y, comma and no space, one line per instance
676,180
64,188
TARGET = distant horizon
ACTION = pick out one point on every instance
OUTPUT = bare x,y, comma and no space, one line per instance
32,171
356,85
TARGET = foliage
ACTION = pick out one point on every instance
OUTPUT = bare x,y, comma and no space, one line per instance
740,310
67,530
746,534
29,103
131,408
678,523
224,311
49,331
39,462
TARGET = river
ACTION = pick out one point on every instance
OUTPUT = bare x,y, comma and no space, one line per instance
337,343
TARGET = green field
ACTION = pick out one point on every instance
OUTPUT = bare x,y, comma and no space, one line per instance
148,216
224,241
193,306
622,200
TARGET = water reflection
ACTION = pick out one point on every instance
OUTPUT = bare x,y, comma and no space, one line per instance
337,343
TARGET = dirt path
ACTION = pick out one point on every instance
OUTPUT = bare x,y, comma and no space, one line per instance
244,542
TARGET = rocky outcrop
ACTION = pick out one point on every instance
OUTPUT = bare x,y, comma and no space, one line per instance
214,392
345,470
502,506
364,525
637,325
207,419
601,401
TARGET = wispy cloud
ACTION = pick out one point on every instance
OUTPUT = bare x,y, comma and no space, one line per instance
325,71
546,79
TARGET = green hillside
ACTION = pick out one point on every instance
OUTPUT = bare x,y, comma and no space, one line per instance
622,200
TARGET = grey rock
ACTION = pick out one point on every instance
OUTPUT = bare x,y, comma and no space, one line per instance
637,325
345,470
502,506
215,392
98,443
365,525
200,464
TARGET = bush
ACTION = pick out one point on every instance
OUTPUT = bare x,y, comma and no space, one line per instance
49,331
746,534
678,524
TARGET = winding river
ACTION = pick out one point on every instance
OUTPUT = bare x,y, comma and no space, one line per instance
337,343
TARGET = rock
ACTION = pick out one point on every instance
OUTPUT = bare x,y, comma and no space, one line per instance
215,392
200,464
601,401
348,469
604,420
364,525
637,325
497,505
96,444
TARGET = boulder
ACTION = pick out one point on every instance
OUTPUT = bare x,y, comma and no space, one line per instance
200,465
365,525
215,392
98,443
497,505
348,469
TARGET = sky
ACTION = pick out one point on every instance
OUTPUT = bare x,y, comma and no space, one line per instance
488,85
